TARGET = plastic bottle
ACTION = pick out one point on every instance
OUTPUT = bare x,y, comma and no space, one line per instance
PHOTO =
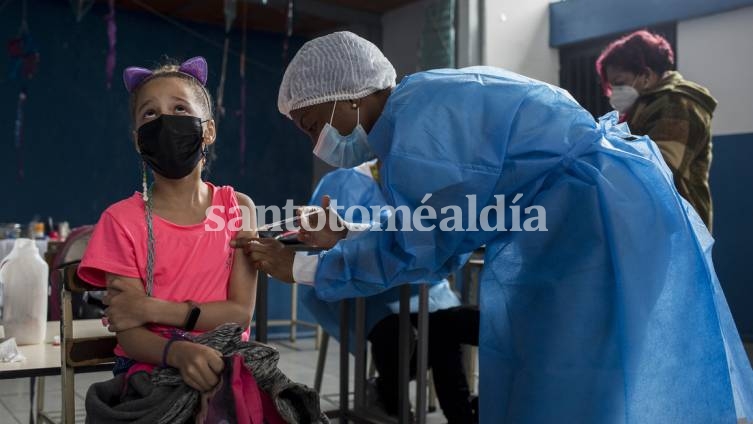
24,275
39,230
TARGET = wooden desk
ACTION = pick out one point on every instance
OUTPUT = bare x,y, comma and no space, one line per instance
44,359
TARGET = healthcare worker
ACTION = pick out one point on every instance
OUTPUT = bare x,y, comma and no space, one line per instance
611,312
450,324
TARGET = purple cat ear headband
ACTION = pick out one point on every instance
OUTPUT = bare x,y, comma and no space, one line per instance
195,67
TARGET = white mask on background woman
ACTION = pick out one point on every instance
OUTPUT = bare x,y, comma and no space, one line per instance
623,97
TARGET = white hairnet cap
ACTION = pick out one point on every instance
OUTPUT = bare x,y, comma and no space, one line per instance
337,66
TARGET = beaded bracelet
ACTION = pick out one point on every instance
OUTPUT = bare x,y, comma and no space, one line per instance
167,349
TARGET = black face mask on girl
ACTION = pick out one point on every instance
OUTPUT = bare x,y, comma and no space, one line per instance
171,144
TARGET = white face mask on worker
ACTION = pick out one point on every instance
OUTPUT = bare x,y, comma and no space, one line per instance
343,151
623,97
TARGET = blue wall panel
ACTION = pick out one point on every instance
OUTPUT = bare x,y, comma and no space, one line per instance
572,21
78,154
732,192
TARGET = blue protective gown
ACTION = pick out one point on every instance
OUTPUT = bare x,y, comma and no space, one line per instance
350,187
613,315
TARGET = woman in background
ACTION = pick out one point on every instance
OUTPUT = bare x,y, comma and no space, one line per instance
636,73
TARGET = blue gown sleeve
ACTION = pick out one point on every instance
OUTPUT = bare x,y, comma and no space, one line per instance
349,188
450,142
377,260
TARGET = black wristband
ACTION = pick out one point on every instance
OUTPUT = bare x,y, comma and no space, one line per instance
192,317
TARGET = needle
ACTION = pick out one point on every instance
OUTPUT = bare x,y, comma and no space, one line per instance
280,224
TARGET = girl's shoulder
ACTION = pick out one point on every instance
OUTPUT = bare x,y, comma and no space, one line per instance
227,196
130,209
223,195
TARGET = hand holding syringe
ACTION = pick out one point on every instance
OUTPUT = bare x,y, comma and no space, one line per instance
269,254
282,229
322,227
317,226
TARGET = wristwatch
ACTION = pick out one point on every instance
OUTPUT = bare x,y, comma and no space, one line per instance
192,317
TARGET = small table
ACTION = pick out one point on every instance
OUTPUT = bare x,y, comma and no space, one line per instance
44,359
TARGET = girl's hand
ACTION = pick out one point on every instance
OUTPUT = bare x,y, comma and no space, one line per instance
128,305
199,365
321,226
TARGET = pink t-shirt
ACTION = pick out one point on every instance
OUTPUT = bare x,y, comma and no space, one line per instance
190,263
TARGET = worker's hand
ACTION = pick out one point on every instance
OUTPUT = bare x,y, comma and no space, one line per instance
199,365
321,226
127,304
268,256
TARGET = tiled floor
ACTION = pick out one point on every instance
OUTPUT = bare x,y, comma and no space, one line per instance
297,360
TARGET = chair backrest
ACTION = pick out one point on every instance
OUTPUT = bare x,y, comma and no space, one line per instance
72,250
87,350
92,348
74,247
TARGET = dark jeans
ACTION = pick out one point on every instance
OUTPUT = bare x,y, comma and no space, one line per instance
448,330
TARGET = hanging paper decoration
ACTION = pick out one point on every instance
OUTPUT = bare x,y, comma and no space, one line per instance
18,132
24,56
220,107
80,8
242,111
230,9
22,51
24,59
112,38
288,33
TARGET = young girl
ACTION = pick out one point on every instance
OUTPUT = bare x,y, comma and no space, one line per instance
163,267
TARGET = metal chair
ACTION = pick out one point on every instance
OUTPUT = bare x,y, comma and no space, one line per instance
471,276
321,362
72,250
294,322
